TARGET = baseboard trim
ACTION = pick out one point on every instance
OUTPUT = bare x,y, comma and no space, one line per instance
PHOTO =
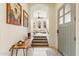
60,52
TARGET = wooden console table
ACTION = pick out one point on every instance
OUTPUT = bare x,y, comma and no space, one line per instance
25,45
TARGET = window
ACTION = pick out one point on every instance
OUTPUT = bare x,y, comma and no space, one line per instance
61,12
68,18
65,14
67,8
61,20
61,16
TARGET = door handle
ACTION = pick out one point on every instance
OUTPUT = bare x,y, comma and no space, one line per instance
57,31
74,38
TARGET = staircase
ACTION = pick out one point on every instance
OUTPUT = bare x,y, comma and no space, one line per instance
40,41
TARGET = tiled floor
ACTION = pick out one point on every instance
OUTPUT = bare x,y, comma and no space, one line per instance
43,52
40,51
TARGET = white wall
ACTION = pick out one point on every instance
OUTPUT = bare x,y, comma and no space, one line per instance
77,29
52,25
9,34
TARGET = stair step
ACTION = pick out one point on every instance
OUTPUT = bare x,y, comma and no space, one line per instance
40,37
40,41
40,44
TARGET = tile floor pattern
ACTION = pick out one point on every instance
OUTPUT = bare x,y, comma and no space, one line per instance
44,51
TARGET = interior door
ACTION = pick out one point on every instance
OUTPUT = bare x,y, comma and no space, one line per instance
66,29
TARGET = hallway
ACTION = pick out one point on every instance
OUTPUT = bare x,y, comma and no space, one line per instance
37,27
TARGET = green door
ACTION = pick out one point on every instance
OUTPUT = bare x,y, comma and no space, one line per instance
66,26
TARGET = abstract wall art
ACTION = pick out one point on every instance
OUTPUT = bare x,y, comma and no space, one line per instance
14,13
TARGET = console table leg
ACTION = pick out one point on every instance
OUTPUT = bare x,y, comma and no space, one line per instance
16,52
12,52
23,52
26,51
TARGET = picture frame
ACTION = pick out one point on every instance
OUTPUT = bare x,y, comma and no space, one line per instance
25,18
14,13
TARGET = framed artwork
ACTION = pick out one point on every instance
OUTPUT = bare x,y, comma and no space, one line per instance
14,13
25,18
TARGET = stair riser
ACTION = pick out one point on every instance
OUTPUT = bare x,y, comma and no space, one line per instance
39,39
39,36
39,42
39,46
